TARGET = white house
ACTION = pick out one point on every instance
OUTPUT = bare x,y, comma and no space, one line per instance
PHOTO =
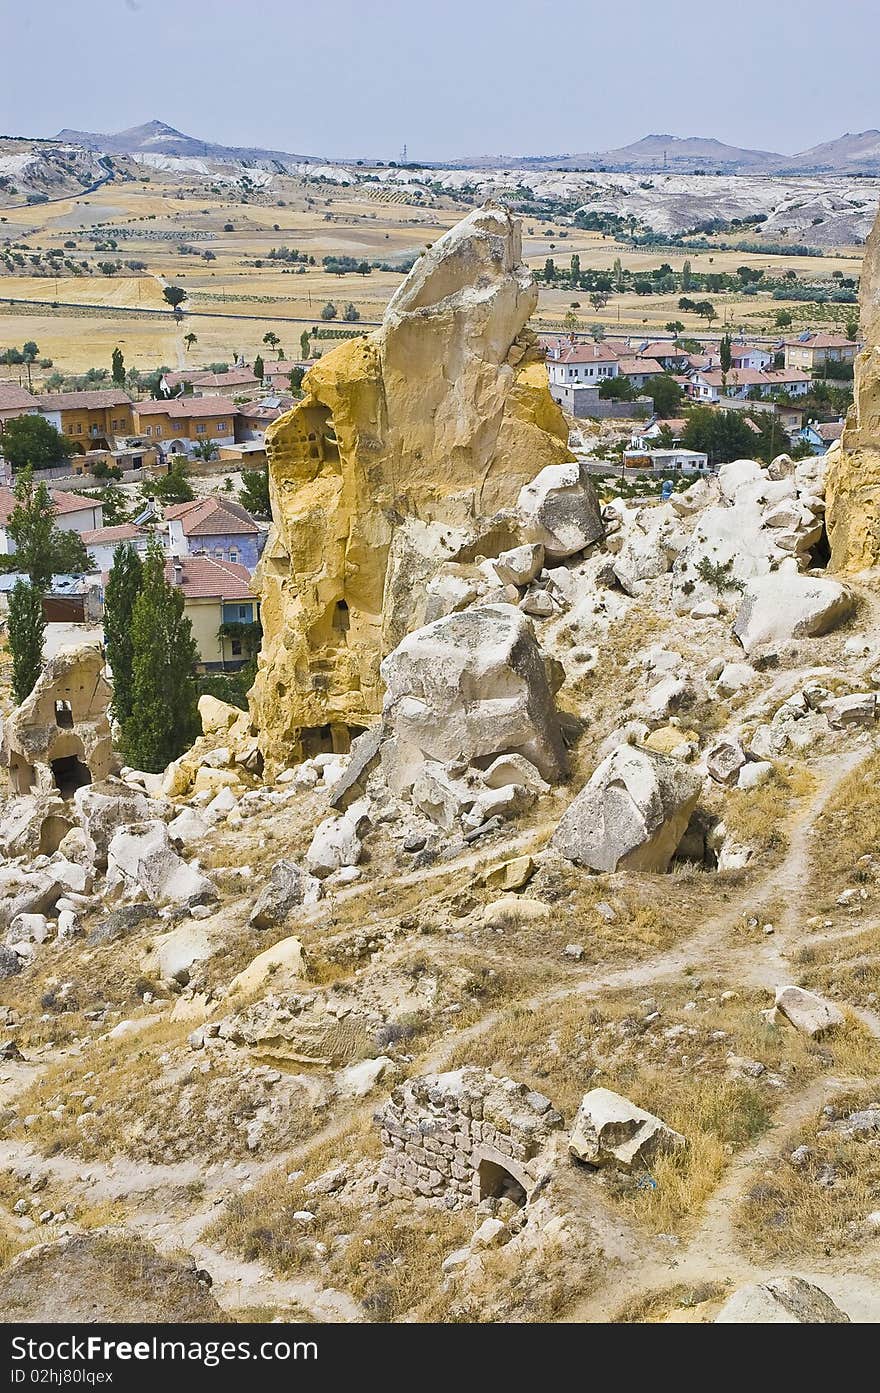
73,513
101,543
746,355
584,363
666,461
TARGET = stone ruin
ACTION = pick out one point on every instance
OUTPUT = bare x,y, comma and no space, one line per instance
465,1136
59,738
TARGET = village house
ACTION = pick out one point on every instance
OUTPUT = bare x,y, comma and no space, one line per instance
102,542
821,435
745,355
214,384
215,594
89,419
584,363
639,370
812,351
669,460
15,402
215,527
670,358
180,423
254,417
709,386
73,513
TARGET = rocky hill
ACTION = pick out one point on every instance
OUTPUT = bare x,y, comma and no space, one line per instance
516,955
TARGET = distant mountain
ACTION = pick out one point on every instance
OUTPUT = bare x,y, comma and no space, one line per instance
156,138
849,154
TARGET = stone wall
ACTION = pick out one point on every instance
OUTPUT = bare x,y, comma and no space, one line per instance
464,1135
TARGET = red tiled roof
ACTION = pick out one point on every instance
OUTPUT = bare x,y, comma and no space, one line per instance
644,366
178,407
202,578
209,517
587,353
64,503
234,377
822,341
83,401
107,536
13,396
829,430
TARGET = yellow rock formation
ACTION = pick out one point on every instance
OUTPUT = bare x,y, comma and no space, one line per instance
440,415
852,482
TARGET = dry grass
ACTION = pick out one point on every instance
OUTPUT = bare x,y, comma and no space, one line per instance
847,828
572,1045
756,817
820,1206
657,1305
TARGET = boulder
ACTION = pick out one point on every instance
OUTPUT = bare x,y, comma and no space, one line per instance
857,709
106,808
807,1012
468,688
10,963
190,827
27,892
632,813
34,824
610,1130
285,958
351,783
28,928
520,565
121,923
781,1301
724,760
786,605
560,510
145,862
335,843
216,716
288,887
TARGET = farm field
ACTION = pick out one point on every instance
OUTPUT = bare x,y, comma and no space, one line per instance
232,301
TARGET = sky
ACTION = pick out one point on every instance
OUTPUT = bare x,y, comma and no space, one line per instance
359,78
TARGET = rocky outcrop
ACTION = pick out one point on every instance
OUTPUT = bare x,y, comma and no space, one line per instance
441,415
59,739
781,1301
788,605
632,813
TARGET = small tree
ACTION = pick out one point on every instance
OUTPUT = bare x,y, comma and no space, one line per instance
295,378
26,628
674,326
40,548
570,321
783,319
164,716
259,367
123,588
305,343
351,314
190,339
852,328
254,494
686,277
30,442
617,389
329,310
173,487
726,355
118,367
271,340
174,294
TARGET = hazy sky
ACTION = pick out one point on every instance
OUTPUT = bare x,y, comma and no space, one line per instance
463,77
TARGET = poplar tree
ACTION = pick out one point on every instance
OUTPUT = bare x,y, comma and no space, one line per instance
123,588
164,717
26,627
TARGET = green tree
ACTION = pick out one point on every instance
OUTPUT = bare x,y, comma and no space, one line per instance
295,378
575,267
25,631
329,310
174,294
726,356
30,352
123,588
204,449
164,716
617,388
675,326
118,367
305,343
722,435
351,314
271,340
665,393
852,328
570,321
687,279
617,272
173,487
40,548
549,270
190,339
259,368
254,493
30,442
783,319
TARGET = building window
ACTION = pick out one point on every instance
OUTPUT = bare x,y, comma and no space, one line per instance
200,429
233,554
244,614
236,648
221,427
149,430
79,429
158,431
